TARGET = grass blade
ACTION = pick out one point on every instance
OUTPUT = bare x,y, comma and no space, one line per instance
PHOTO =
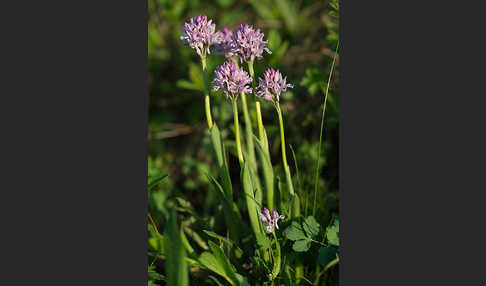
320,134
176,270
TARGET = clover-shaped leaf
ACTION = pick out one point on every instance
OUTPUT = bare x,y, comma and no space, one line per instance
311,226
302,234
294,232
332,232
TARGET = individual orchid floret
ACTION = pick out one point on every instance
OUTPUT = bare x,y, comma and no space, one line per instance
272,85
270,222
225,45
199,34
231,80
249,43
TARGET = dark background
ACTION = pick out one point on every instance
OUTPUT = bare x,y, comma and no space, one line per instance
74,144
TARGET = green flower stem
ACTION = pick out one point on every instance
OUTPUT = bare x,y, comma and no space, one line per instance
237,131
259,121
249,133
257,106
294,199
207,104
282,136
277,258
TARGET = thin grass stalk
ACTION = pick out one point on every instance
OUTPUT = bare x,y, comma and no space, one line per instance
320,134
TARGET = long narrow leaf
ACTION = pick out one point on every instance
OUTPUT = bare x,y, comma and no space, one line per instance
250,199
176,270
268,176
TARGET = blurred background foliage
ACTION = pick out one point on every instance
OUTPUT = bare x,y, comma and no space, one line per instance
302,36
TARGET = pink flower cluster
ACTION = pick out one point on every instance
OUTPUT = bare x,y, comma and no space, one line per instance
199,34
225,45
249,43
270,222
272,85
231,80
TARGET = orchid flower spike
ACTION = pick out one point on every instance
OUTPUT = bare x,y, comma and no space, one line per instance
249,43
272,85
225,45
231,80
199,34
270,222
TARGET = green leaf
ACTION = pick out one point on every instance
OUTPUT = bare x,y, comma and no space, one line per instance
176,270
154,181
153,275
223,260
185,84
156,243
326,254
250,199
215,280
263,241
267,168
332,232
311,226
186,243
219,150
263,8
231,244
231,215
220,264
294,231
301,245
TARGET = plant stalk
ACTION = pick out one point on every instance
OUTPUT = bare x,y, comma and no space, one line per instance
320,134
207,104
237,131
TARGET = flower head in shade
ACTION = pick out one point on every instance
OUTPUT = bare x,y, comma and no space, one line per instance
231,80
270,222
225,45
249,43
272,85
199,34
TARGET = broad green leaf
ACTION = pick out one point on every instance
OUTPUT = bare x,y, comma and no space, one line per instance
176,270
311,226
208,260
223,261
301,245
326,254
263,241
294,231
220,264
332,232
154,181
